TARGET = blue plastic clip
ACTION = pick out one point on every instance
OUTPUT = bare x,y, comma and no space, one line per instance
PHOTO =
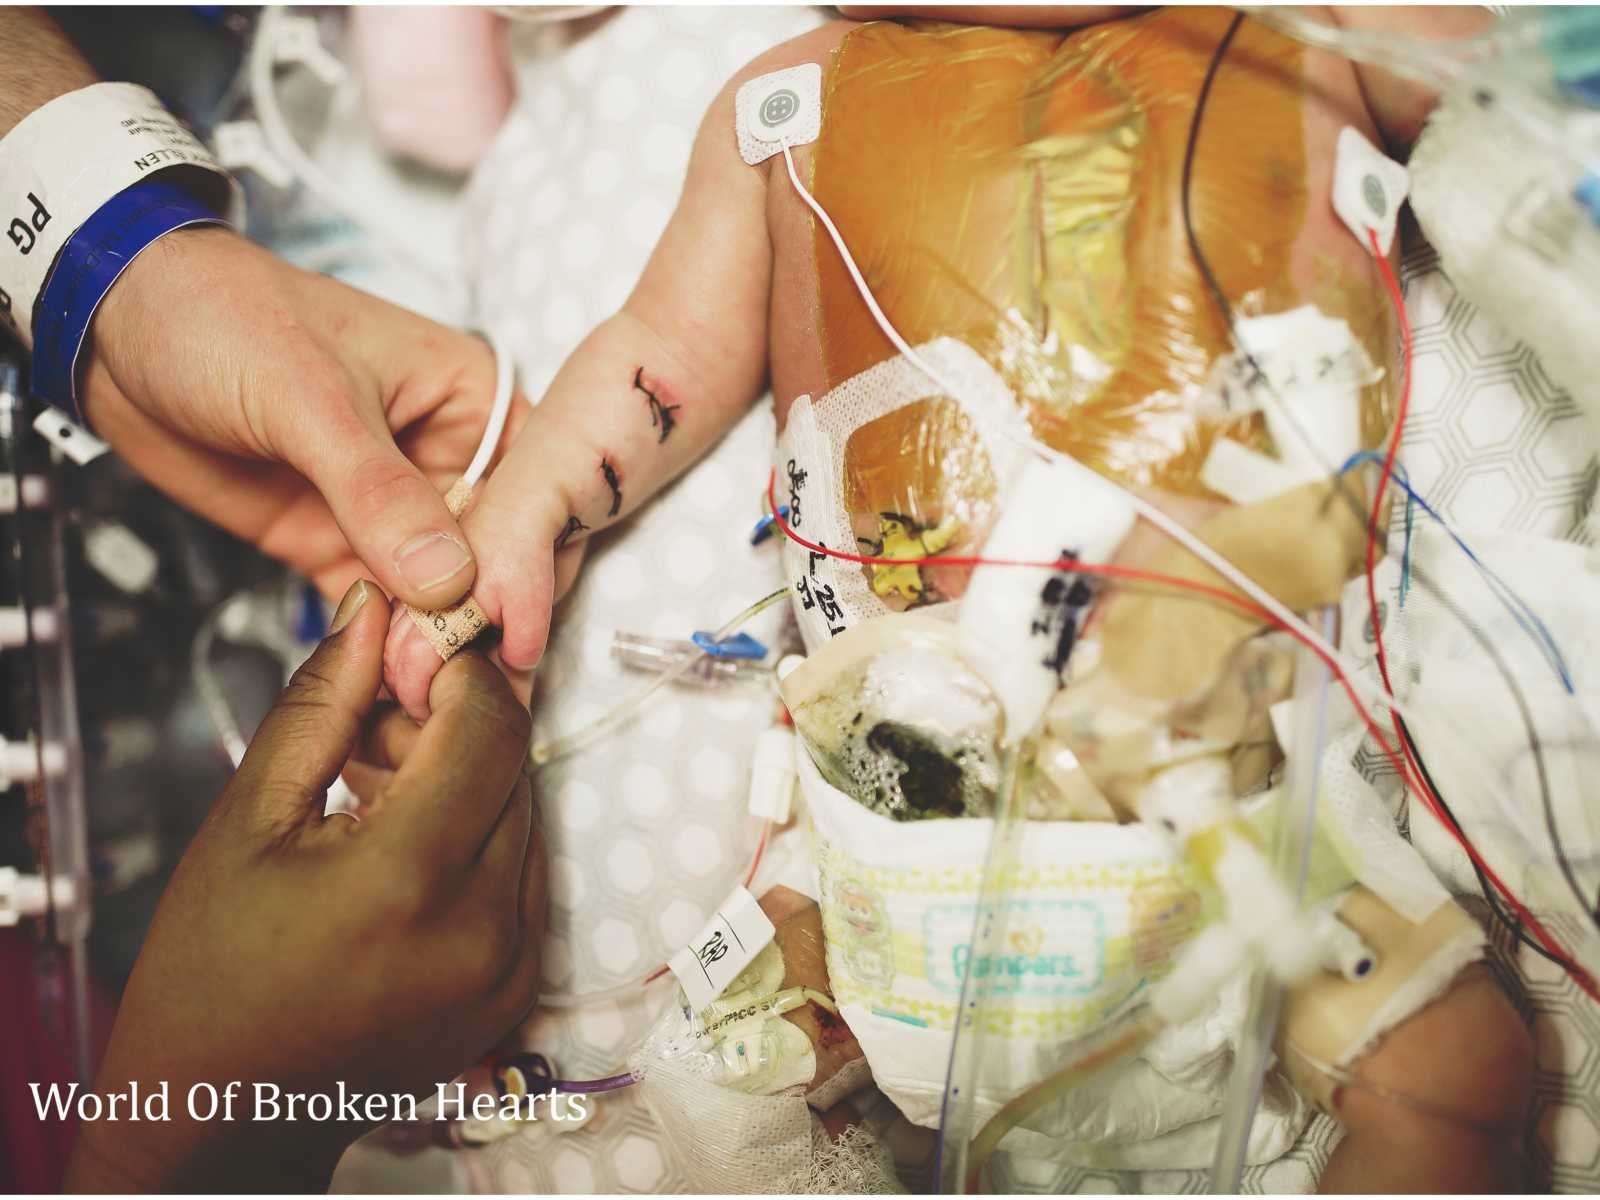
740,645
763,529
311,622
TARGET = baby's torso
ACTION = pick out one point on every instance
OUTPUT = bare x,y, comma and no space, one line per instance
1022,192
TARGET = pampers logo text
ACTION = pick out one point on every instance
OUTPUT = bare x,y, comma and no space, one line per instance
1051,948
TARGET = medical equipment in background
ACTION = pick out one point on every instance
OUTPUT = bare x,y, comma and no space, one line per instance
267,146
41,768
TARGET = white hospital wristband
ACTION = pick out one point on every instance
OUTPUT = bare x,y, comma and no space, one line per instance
64,160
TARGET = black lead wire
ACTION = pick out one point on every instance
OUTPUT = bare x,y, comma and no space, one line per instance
1513,924
1419,576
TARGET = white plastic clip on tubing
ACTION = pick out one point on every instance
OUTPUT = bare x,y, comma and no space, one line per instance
14,627
26,896
19,761
772,775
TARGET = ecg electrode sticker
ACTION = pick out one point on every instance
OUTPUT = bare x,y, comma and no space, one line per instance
783,107
1368,188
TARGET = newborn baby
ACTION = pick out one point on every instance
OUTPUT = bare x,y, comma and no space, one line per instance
1021,194
1099,318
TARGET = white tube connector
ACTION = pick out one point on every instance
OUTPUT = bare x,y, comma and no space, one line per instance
1343,950
19,761
299,42
772,775
26,896
241,146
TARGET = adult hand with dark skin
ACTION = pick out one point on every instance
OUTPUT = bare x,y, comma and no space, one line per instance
386,953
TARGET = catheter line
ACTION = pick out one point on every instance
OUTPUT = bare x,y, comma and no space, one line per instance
1281,615
1260,603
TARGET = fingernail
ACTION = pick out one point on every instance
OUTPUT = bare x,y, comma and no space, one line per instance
428,559
348,607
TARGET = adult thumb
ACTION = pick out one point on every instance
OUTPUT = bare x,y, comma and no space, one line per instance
308,735
393,518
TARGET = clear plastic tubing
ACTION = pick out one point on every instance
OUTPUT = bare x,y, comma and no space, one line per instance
1291,857
544,753
639,652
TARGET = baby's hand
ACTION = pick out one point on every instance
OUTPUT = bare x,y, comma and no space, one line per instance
640,399
529,552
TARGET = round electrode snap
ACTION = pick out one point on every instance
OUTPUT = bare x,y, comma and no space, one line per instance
779,107
1372,192
778,115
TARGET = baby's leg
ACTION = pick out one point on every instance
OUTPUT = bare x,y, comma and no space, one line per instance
1467,1055
1438,1102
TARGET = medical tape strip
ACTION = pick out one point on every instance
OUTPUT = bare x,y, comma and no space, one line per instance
64,161
449,629
729,942
814,439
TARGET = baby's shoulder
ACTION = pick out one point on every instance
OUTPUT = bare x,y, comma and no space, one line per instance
813,47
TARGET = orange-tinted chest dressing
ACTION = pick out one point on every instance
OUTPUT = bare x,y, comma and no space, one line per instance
1021,191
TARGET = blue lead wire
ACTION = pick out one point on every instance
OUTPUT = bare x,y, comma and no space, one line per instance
1526,617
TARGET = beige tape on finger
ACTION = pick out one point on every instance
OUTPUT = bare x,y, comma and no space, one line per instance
449,629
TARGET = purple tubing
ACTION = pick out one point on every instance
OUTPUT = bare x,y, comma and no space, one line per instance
584,1086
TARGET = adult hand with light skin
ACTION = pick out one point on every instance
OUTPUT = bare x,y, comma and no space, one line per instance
315,421
387,953
310,419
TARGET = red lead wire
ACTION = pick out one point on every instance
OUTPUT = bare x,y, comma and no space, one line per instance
1414,777
1408,775
1108,570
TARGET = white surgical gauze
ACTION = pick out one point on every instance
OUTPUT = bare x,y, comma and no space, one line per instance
833,595
730,1142
1021,623
1096,911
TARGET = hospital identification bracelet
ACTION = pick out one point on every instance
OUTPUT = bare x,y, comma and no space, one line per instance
89,264
65,160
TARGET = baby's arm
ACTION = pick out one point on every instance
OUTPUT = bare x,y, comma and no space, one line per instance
638,401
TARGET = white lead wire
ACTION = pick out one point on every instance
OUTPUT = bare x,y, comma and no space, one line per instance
1172,528
504,376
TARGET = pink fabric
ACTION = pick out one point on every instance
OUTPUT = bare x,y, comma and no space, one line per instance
436,82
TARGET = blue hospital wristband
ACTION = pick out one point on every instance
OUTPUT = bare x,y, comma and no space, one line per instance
88,265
